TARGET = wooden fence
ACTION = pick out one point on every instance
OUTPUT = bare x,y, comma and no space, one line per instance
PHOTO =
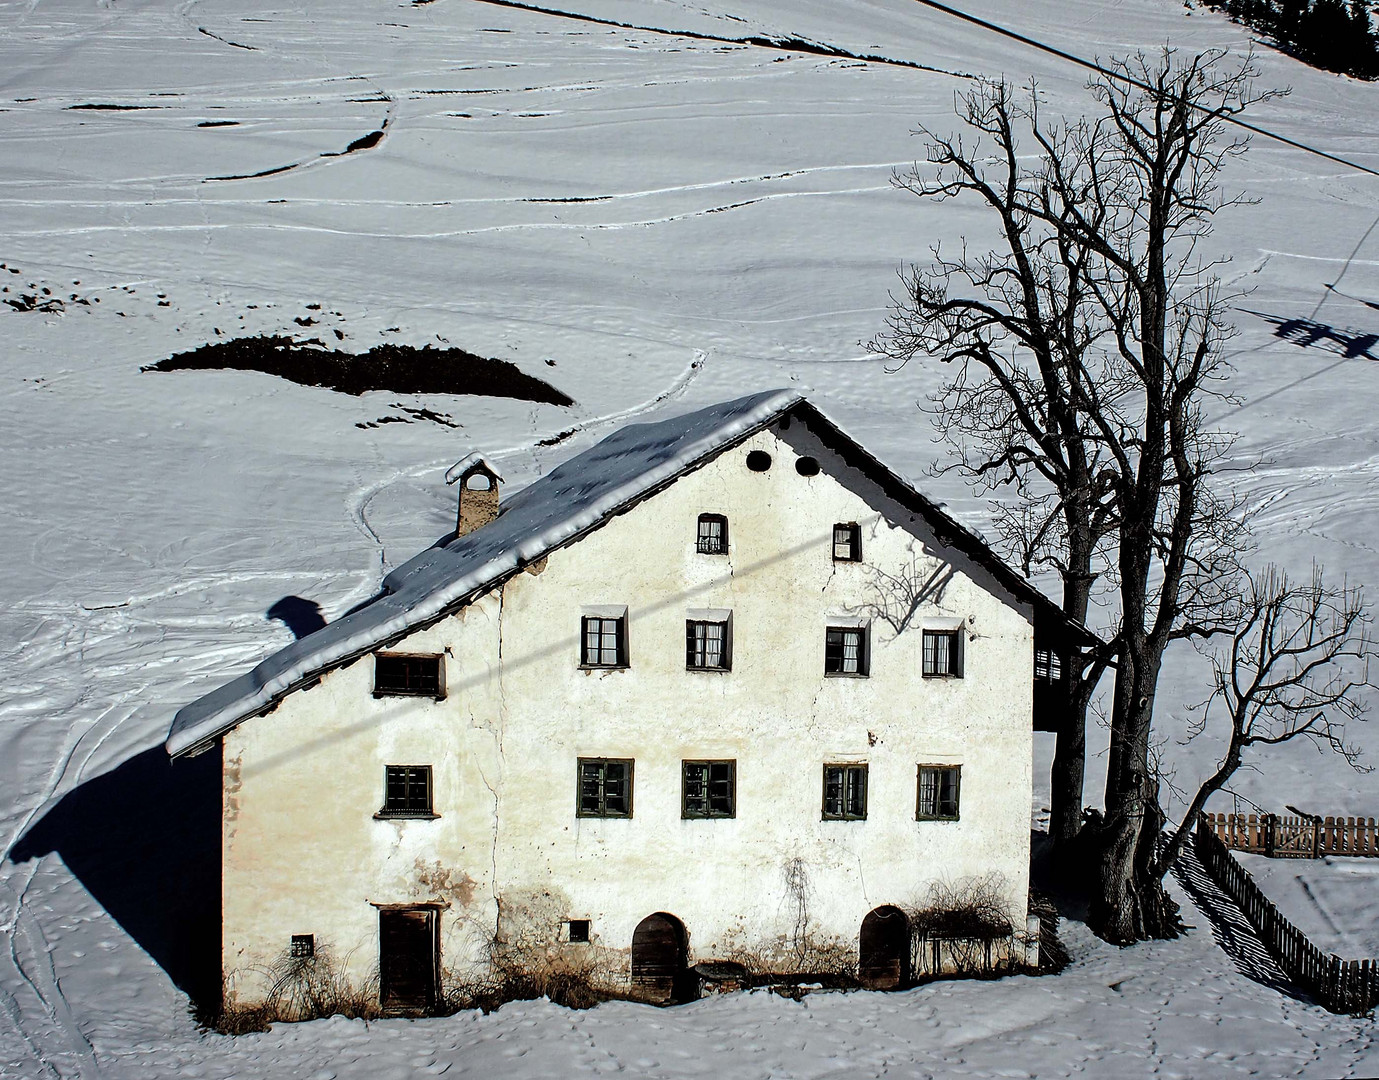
1282,836
1345,986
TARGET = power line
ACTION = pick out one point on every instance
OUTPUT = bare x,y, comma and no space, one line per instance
1122,77
800,45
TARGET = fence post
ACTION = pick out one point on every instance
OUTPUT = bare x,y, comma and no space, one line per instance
1270,834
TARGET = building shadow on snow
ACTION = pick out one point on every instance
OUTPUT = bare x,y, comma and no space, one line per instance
298,614
144,839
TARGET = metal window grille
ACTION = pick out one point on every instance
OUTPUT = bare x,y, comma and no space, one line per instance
709,789
303,945
845,792
706,645
395,674
604,642
713,534
407,790
605,787
847,543
1048,665
845,650
941,653
938,792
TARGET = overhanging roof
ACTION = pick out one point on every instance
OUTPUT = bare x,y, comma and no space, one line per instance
629,465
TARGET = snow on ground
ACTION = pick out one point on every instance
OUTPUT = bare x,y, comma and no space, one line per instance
650,223
1333,900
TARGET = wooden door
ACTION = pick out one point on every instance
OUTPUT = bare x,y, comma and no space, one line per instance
408,959
658,956
883,954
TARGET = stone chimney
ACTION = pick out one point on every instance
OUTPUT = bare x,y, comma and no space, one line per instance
478,489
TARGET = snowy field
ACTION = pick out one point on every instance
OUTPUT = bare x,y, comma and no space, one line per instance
1333,900
650,222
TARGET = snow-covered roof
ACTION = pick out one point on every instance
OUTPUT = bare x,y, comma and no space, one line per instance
633,462
468,462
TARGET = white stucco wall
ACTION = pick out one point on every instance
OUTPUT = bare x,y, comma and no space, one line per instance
304,854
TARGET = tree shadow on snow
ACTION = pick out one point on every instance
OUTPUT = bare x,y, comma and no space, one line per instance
298,614
1307,334
144,839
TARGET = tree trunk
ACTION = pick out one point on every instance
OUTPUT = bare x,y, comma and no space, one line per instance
1070,752
1129,903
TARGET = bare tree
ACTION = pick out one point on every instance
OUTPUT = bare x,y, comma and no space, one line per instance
1296,667
1085,351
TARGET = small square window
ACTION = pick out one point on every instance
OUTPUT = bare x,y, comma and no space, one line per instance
1048,666
418,675
406,791
708,789
845,792
713,535
605,787
603,641
847,542
845,650
579,931
938,793
706,646
302,946
942,653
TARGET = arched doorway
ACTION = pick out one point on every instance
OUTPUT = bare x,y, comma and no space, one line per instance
883,954
660,958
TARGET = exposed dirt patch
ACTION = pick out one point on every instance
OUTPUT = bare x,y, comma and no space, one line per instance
218,123
106,107
401,369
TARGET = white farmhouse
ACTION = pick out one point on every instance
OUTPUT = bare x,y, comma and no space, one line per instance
722,687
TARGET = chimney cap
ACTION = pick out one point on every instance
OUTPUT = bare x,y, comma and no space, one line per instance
469,465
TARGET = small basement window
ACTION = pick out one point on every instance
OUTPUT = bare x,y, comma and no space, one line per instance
420,675
406,792
302,946
712,538
847,542
707,646
605,787
603,641
942,654
1048,666
845,650
845,792
579,931
708,789
937,798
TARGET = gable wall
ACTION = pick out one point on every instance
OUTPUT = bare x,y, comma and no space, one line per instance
304,854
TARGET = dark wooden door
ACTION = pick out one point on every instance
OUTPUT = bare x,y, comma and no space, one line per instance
883,954
658,956
407,960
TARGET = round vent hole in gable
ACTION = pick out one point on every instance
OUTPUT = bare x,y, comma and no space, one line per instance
758,461
807,466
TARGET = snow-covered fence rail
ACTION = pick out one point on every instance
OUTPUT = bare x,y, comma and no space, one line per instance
1345,986
1283,836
